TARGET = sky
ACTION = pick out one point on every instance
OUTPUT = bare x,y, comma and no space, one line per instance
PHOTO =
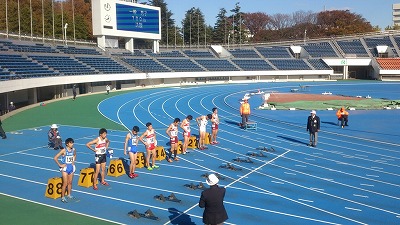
377,12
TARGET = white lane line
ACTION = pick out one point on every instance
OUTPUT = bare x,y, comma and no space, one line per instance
277,182
305,200
354,209
300,165
199,160
309,159
290,173
317,189
362,196
368,185
378,168
371,175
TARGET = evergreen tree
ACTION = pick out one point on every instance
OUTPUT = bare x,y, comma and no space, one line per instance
220,32
167,23
194,28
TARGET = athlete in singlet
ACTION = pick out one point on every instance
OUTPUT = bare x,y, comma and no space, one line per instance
202,122
150,143
185,125
214,126
100,144
131,143
67,167
172,132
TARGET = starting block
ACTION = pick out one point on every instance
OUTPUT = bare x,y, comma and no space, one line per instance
116,168
230,167
86,177
148,214
266,149
194,187
238,159
160,153
251,126
140,160
192,142
179,148
256,155
53,188
171,198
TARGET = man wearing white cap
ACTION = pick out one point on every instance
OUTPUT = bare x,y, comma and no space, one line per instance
53,135
313,126
212,200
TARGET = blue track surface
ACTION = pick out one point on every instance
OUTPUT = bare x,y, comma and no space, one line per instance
352,177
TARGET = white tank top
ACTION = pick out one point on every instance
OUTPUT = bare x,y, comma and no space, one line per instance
150,137
100,146
203,124
174,130
186,125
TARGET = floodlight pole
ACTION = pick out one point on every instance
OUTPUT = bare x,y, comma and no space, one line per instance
65,33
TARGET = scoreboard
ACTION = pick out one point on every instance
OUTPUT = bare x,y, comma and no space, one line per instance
124,19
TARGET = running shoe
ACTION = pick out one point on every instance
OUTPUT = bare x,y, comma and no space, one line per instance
105,183
176,159
64,200
149,168
131,176
135,175
71,197
155,167
95,187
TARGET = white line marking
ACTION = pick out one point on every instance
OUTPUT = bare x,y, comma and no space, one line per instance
362,196
370,175
353,209
317,189
374,167
300,165
361,155
368,185
290,173
309,159
277,182
199,160
305,200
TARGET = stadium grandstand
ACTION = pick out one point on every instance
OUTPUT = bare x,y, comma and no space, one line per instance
34,70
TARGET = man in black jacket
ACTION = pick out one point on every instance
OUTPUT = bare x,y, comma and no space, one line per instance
313,126
2,133
212,200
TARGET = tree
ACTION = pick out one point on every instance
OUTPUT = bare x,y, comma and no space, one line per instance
167,23
256,22
194,27
342,22
220,32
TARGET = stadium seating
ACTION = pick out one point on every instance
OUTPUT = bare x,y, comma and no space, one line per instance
104,65
274,52
319,64
376,41
180,65
244,53
353,47
217,64
320,49
23,67
64,64
198,53
290,64
78,51
146,65
252,64
172,53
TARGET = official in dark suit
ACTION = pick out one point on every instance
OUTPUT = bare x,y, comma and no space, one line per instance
212,200
313,126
